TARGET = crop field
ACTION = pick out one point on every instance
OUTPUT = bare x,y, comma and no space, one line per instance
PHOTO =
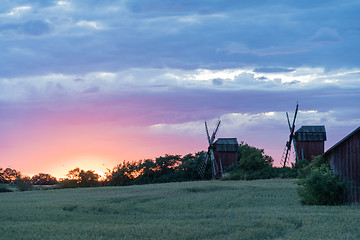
262,209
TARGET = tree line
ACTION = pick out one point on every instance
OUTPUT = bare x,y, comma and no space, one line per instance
252,164
318,185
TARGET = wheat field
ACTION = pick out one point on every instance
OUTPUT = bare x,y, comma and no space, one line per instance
262,209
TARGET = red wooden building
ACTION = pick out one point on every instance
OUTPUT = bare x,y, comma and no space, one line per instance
344,159
309,141
225,152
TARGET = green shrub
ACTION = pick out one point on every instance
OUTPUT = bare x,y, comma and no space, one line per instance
301,168
321,187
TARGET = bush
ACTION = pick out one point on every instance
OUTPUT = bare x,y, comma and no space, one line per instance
24,184
321,187
301,168
4,189
285,172
240,174
68,183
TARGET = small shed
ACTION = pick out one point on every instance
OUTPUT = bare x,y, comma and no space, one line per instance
225,152
310,141
344,159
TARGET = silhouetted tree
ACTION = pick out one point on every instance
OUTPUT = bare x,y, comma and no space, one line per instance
122,174
147,172
23,183
9,175
188,169
74,174
80,178
44,179
2,180
168,168
88,178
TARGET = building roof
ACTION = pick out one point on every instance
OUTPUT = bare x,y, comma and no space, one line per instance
226,145
311,134
341,141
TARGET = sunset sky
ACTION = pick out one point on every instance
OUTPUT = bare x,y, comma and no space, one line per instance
90,84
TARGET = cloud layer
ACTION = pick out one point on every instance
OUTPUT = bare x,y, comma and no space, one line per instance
148,73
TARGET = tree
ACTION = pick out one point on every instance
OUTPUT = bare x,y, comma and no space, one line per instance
188,169
122,174
165,167
2,180
23,183
88,178
80,178
44,179
252,158
146,171
74,174
9,175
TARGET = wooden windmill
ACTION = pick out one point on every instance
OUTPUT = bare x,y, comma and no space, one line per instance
209,154
287,150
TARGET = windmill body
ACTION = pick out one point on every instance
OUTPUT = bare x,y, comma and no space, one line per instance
310,141
221,154
225,152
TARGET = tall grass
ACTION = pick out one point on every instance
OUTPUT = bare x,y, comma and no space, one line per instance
262,209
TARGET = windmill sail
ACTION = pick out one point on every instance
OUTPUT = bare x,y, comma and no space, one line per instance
210,153
291,138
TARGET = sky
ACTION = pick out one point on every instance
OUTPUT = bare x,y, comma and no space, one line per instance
90,84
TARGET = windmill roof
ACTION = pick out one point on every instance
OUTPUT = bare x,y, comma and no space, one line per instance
310,134
226,145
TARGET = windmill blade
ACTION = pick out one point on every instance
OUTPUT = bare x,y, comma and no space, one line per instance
291,137
215,131
207,133
202,165
293,125
287,116
210,153
288,148
213,164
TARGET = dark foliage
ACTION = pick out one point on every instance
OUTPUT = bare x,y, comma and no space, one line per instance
43,179
9,175
168,168
253,159
68,183
254,164
80,178
4,189
23,184
301,168
319,185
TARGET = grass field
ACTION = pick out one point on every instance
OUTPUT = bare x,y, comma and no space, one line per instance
262,209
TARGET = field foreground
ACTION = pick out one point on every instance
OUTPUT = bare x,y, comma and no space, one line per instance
263,209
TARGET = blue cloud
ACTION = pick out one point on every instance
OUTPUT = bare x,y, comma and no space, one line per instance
31,27
184,35
326,35
273,70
